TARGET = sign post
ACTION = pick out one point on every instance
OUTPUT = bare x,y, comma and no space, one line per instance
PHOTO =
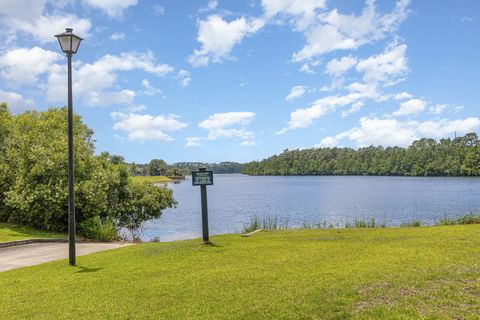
203,178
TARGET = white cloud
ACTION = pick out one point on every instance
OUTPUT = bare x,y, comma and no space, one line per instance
441,108
385,67
307,66
184,77
437,109
147,127
30,17
114,8
212,5
354,108
218,37
108,98
392,132
16,102
22,10
301,13
193,142
337,67
296,92
248,143
334,31
149,90
95,82
304,117
402,96
23,66
118,36
328,142
412,106
457,109
228,125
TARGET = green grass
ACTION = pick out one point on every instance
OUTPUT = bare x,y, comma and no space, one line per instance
10,232
152,179
266,223
360,273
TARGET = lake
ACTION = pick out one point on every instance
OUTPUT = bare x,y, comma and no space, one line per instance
235,198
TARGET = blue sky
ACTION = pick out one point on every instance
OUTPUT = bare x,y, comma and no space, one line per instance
242,80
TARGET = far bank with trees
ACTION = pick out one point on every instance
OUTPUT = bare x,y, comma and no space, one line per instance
424,157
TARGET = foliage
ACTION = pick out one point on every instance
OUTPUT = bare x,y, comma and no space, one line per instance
414,223
466,219
265,223
375,273
10,232
152,179
96,228
180,169
33,175
222,167
145,202
157,167
359,223
425,157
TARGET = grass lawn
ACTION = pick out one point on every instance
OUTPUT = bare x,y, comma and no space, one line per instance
152,179
10,232
381,273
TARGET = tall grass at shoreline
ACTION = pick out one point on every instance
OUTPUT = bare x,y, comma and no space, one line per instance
465,219
266,223
273,223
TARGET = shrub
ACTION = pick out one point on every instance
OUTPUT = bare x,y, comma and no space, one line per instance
466,219
33,178
143,202
95,228
414,223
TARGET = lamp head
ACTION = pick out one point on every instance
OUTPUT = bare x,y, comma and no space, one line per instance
69,42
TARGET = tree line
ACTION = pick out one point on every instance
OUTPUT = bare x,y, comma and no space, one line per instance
222,167
425,157
33,179
158,167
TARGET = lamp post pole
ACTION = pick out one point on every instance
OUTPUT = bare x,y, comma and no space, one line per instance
71,189
69,44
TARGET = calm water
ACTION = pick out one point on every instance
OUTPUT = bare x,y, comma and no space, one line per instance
234,199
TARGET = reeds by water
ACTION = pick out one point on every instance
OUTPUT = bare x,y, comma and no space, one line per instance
273,223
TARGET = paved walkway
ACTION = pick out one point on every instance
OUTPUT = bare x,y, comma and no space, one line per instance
37,253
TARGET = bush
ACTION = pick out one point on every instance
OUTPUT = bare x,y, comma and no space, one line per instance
414,223
33,178
95,228
144,202
466,219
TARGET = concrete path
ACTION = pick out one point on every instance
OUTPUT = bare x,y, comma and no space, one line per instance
37,253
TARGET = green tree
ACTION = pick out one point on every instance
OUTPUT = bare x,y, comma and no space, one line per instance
33,176
157,167
424,157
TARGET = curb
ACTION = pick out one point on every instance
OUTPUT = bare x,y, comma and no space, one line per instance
52,240
29,241
251,233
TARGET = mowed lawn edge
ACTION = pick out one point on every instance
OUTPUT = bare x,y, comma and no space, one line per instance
152,179
11,232
381,273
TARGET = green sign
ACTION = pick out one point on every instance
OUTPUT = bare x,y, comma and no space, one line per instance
202,178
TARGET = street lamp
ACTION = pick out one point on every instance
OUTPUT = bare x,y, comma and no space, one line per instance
69,44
